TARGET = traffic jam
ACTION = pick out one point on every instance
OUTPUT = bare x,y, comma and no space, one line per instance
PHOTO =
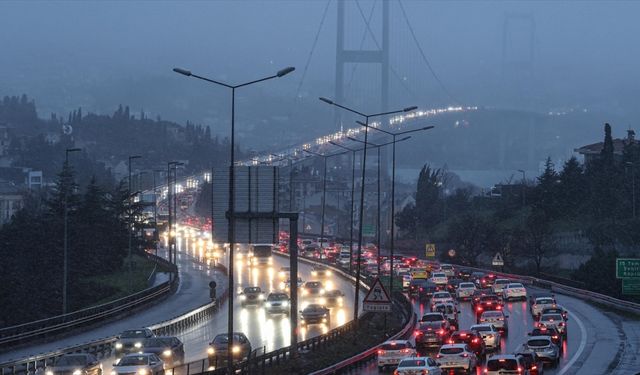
440,344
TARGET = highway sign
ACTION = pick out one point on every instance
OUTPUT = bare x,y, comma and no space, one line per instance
430,250
377,299
627,268
497,260
368,230
631,286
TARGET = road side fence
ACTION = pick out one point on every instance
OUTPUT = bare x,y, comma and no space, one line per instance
23,333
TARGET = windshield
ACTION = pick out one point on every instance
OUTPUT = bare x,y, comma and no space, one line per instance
277,297
439,275
545,301
432,318
515,286
538,342
502,364
262,250
446,309
221,339
157,342
134,360
133,334
481,328
492,314
72,360
466,285
412,363
441,295
456,350
502,281
253,289
314,284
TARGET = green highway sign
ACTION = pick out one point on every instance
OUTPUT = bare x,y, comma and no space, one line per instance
627,268
631,286
368,230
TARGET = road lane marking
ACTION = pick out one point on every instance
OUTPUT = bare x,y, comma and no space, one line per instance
583,343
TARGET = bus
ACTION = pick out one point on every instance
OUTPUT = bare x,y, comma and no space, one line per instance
261,254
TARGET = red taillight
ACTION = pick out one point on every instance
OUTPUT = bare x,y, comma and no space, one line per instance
380,351
519,370
479,308
421,289
554,337
418,333
464,355
475,341
561,324
499,307
441,332
438,355
451,342
463,335
534,367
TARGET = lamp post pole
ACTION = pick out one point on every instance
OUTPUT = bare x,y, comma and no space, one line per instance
65,255
524,187
393,191
361,208
131,225
231,212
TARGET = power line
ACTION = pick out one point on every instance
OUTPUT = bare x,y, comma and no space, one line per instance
313,47
424,57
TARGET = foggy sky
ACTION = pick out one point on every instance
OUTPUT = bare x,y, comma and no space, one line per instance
66,54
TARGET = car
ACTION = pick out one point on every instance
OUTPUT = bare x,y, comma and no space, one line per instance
333,298
513,291
406,281
418,273
465,274
415,285
478,294
476,276
219,348
505,364
286,285
277,303
488,303
439,278
544,348
465,291
76,364
284,273
473,340
553,320
540,304
499,284
131,340
343,260
310,251
490,335
457,356
418,365
138,364
531,362
251,295
431,333
390,353
497,318
556,310
436,316
441,297
320,272
453,285
449,311
552,332
313,289
448,270
169,348
315,314
486,281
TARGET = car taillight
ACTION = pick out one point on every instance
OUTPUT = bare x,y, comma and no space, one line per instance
451,342
464,355
500,319
534,367
418,333
519,370
499,307
475,341
561,324
479,308
421,289
441,332
438,355
380,352
405,350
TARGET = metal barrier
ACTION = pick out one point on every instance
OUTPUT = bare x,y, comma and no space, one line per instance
11,336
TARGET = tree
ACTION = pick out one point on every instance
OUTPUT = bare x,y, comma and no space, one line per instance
546,191
572,188
538,240
598,273
406,220
427,196
470,235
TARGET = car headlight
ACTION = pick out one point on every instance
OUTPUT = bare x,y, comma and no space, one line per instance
48,372
143,371
285,303
138,345
243,297
113,372
339,299
328,273
324,320
322,301
305,292
211,351
314,273
77,372
118,345
235,349
167,353
261,296
321,291
267,304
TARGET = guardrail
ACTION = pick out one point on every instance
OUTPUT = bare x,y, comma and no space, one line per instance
19,334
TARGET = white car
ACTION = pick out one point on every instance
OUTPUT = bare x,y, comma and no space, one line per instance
554,320
542,303
457,356
138,364
514,291
343,260
465,290
448,270
439,278
499,284
496,317
441,297
490,335
392,352
418,365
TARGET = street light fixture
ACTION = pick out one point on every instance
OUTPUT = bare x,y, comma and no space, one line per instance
231,230
361,208
65,255
393,190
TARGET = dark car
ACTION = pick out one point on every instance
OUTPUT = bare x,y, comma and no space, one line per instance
415,285
556,310
131,340
531,362
77,364
479,293
552,332
452,285
169,348
488,303
465,274
431,334
251,295
218,348
473,340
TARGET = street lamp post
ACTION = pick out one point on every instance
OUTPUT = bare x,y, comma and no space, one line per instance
65,255
131,157
353,187
393,191
524,187
361,208
231,212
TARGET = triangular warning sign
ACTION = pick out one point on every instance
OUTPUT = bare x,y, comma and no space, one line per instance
377,294
497,259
